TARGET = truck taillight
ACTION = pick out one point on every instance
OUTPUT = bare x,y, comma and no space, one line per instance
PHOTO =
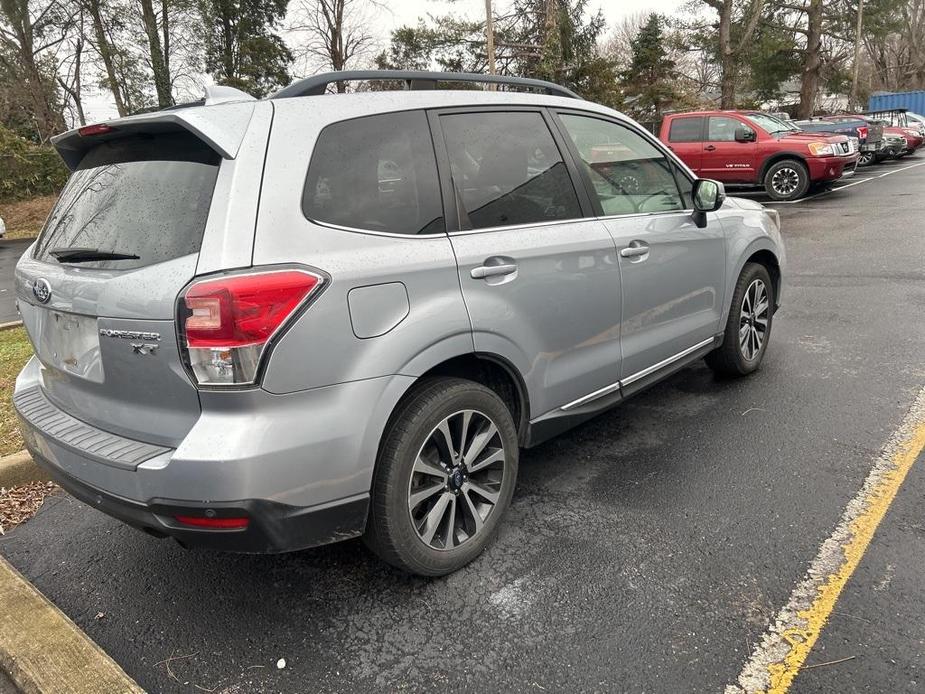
862,133
227,322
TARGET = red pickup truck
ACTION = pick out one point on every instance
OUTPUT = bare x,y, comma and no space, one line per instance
753,148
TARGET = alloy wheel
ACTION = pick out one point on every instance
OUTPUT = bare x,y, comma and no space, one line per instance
457,479
753,319
785,180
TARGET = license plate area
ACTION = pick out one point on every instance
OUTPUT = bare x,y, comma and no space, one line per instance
67,342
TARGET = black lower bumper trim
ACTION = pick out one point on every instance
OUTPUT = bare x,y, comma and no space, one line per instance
273,527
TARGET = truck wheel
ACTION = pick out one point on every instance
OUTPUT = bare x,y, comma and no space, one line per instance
786,180
444,478
748,326
866,159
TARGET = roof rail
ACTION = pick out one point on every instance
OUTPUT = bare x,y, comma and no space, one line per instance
317,84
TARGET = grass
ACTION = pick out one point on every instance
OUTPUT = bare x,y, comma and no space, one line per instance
15,351
24,219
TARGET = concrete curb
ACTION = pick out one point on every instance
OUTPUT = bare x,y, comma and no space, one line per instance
18,469
10,325
43,651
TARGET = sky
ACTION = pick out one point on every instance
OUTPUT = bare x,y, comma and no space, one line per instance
99,106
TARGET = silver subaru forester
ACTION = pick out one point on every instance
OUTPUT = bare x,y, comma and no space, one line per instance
266,325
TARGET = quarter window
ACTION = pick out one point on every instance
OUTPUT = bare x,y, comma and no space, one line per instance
687,129
627,173
722,129
377,173
507,169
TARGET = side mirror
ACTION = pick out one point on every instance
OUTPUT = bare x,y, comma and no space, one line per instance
709,196
744,134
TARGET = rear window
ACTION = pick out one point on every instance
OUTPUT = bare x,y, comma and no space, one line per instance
138,196
376,173
686,129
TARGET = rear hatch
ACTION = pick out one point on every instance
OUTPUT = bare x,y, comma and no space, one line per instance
98,289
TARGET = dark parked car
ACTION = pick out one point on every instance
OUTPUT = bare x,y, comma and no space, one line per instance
869,134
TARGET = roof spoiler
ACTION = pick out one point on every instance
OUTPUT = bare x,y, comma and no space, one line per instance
221,129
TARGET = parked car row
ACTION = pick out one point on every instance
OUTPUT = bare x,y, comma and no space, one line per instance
788,158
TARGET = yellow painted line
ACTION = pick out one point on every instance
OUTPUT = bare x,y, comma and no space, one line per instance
783,649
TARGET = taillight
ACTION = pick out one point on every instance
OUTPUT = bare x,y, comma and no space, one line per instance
228,321
862,133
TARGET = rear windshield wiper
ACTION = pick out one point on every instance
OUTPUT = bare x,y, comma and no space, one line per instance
86,255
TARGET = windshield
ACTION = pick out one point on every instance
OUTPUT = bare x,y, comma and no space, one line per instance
133,202
771,124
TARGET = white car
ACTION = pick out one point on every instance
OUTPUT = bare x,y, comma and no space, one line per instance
2,228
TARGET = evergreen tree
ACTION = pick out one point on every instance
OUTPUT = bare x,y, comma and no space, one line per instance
648,81
242,48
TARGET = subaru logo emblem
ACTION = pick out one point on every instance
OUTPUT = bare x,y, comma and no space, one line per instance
42,290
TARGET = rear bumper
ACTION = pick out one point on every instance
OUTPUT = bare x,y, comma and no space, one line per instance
298,466
272,527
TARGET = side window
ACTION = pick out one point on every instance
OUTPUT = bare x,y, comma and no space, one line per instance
507,169
627,172
722,129
686,129
377,173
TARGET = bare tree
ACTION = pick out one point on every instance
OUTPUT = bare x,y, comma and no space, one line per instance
70,71
337,32
29,29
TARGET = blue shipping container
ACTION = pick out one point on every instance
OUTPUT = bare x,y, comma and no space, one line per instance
911,101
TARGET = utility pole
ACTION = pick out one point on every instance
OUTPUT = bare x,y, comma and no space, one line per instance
490,38
853,99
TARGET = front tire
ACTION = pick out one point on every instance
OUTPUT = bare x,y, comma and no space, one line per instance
444,477
786,180
748,327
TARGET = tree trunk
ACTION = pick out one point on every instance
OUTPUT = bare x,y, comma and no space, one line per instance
158,65
48,120
106,53
727,97
812,64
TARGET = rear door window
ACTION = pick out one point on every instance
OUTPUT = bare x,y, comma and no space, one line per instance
688,129
507,169
144,196
376,173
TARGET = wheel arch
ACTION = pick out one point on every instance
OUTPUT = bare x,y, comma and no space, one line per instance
778,157
770,261
761,251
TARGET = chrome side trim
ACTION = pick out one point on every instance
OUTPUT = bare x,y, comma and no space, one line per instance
606,390
613,387
665,362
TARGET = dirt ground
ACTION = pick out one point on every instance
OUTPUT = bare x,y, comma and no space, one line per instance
24,219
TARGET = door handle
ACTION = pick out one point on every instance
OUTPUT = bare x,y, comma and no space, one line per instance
484,271
709,148
635,250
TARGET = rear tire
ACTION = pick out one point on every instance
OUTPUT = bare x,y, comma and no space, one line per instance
748,327
437,501
867,158
786,180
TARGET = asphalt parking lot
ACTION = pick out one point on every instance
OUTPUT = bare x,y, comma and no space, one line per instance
645,551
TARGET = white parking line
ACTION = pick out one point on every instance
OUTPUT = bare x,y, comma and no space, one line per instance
841,187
